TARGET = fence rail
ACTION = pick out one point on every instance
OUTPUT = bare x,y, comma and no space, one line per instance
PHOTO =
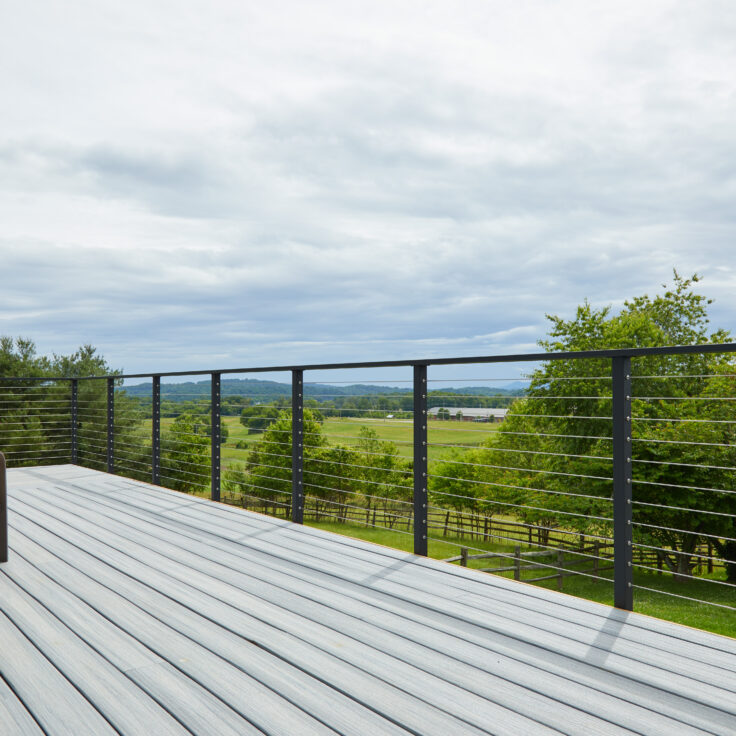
607,463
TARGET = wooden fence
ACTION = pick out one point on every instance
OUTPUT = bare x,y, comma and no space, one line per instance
446,523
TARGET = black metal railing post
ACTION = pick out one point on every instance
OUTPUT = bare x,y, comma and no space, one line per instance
156,430
75,420
623,591
3,512
111,425
297,446
420,460
215,430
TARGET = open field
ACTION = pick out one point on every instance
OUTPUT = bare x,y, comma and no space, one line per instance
445,436
346,431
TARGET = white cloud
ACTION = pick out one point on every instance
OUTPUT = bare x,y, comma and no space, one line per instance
335,181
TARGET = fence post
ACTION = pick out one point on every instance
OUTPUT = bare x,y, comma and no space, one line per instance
596,558
297,446
156,431
420,460
3,512
215,432
517,563
623,591
110,425
463,556
75,415
560,567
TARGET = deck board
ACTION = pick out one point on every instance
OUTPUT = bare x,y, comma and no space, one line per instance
219,557
193,613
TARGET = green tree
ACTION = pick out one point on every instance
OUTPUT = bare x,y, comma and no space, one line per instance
36,426
258,418
185,456
206,427
333,480
386,479
552,455
267,473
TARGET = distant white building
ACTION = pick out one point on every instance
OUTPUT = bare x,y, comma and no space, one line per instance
468,414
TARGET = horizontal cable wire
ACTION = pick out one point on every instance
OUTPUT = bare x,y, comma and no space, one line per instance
36,453
682,442
358,383
529,470
259,498
681,421
682,531
178,480
124,465
537,490
441,525
348,505
349,437
511,556
358,449
275,467
684,398
521,506
173,469
684,597
521,380
697,375
271,454
272,479
365,523
686,465
526,544
263,488
353,465
53,443
444,428
526,452
166,456
689,577
680,508
357,480
563,436
676,485
44,432
680,552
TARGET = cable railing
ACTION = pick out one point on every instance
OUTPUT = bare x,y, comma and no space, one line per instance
596,474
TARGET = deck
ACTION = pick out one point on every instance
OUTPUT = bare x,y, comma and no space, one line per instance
127,608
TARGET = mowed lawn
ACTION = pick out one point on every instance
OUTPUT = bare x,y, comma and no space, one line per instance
444,436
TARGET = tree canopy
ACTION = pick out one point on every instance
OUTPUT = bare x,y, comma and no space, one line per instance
550,463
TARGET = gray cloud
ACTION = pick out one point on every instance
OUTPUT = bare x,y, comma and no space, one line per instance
236,187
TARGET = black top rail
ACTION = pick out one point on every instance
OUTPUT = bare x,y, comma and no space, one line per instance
729,347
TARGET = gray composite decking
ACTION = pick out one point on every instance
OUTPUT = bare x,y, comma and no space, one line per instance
127,608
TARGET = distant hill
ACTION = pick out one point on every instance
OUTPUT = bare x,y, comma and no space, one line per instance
267,391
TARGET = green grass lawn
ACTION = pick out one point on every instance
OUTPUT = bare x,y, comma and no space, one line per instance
346,431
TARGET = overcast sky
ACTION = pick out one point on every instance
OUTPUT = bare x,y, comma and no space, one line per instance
212,184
